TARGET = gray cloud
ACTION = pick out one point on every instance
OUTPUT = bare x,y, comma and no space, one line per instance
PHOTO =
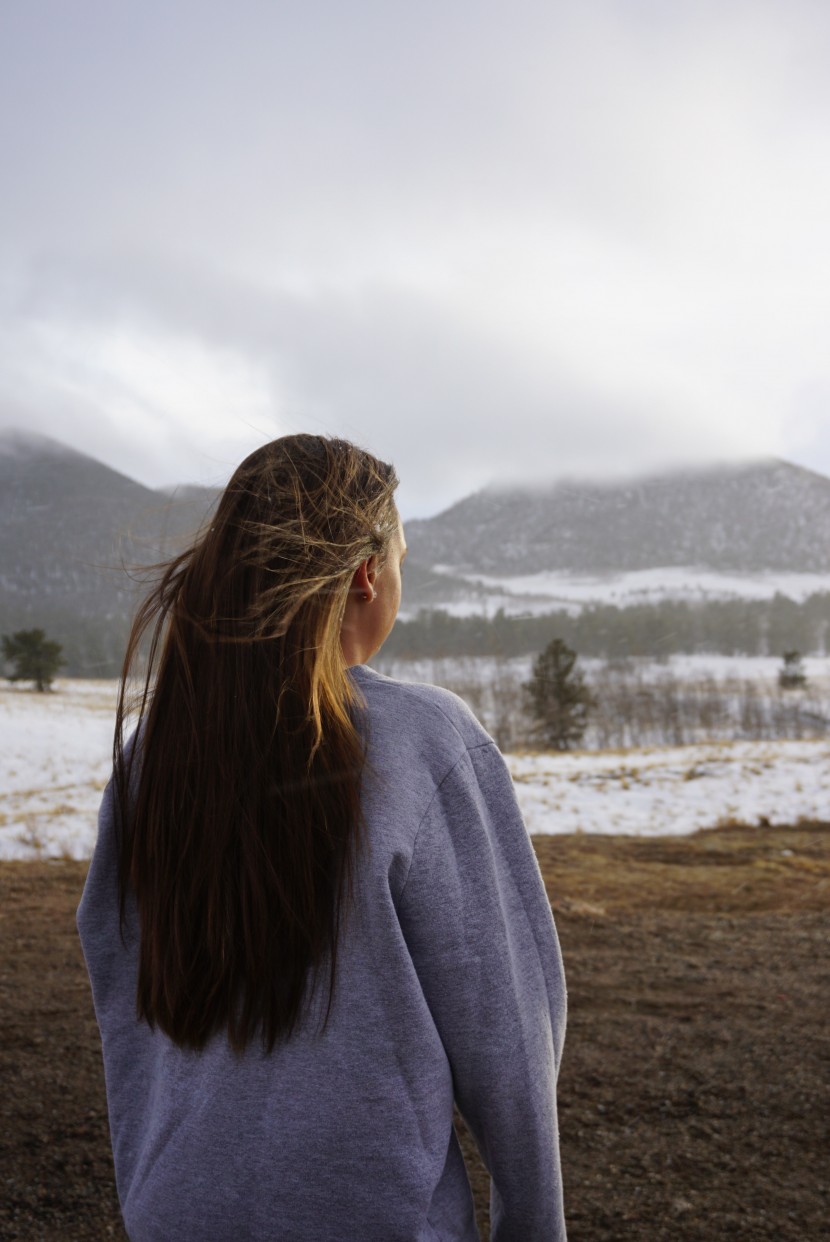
561,239
453,405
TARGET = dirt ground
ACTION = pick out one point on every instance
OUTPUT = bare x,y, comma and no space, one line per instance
695,1090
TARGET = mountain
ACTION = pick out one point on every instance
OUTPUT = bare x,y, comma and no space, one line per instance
69,527
747,518
739,529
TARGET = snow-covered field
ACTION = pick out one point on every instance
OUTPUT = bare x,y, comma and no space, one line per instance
760,669
55,760
671,791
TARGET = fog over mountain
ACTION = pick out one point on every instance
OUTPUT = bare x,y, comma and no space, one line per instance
69,526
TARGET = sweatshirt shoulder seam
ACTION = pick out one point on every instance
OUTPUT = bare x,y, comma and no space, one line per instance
468,750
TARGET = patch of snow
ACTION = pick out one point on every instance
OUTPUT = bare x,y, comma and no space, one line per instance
552,590
672,581
673,791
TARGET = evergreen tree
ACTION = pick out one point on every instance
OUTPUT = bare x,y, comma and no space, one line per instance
559,699
791,675
34,657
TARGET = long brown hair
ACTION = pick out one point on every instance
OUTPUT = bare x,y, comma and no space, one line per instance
238,808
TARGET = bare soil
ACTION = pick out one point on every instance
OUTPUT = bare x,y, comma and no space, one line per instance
695,1091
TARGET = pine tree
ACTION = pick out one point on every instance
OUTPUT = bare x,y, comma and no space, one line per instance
791,675
34,656
559,699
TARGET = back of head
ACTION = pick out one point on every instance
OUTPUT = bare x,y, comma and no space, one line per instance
239,823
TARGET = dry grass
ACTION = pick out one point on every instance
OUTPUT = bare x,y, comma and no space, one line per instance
694,1095
733,869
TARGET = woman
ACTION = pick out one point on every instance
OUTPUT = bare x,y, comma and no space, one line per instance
313,918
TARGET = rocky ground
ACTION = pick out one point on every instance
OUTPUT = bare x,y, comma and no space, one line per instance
695,1091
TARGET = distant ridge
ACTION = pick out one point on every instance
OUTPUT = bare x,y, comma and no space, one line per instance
767,516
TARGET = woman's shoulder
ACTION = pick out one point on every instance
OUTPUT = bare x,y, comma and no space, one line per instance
419,708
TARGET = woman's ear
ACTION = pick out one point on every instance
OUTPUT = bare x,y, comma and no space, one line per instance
365,576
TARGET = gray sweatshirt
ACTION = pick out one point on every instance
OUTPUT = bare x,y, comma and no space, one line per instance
450,987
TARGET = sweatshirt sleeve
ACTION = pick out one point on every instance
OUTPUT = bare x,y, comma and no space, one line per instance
480,932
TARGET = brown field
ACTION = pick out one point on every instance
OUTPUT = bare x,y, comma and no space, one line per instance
695,1091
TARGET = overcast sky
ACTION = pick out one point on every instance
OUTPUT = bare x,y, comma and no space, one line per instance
484,240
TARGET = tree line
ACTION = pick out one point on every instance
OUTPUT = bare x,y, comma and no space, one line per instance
607,631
